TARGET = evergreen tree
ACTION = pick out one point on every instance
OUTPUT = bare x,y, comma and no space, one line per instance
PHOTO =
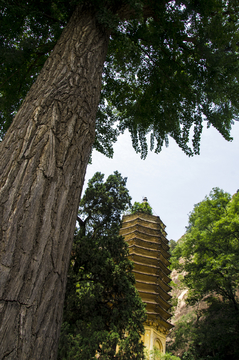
103,312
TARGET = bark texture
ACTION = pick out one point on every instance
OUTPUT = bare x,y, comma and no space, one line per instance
43,160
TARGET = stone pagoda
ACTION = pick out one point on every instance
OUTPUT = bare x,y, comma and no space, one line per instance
148,248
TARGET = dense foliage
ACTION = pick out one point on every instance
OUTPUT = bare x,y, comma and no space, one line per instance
156,354
209,254
143,207
209,334
103,313
210,248
170,64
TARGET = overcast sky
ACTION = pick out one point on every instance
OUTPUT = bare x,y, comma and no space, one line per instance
171,181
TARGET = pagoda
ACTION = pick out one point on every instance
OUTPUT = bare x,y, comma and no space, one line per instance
148,249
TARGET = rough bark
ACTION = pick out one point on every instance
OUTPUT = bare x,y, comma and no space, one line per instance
42,165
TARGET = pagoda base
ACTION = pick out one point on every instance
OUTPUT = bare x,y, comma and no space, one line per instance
154,337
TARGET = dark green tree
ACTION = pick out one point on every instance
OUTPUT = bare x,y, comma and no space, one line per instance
103,312
157,67
211,333
210,260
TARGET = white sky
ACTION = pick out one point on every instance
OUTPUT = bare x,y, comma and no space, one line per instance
171,181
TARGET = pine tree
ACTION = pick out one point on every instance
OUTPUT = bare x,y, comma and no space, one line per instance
103,312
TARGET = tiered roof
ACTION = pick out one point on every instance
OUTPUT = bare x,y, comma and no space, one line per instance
148,248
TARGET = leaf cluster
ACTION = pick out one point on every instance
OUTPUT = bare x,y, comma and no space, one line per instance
168,73
143,207
102,205
170,66
156,354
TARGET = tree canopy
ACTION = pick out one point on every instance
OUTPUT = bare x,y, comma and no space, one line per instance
209,253
170,65
143,207
210,247
103,312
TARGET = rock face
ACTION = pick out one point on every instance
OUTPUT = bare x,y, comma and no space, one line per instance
179,293
148,248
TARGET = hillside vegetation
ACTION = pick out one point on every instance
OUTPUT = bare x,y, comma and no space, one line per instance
205,264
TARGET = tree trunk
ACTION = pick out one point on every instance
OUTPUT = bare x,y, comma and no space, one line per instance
42,165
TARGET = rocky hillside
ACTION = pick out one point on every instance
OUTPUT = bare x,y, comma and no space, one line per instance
179,296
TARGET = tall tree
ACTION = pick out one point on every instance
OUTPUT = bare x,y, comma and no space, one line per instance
210,252
211,249
165,65
103,312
